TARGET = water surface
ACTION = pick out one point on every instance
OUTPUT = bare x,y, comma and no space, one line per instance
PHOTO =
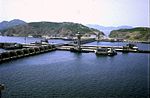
63,74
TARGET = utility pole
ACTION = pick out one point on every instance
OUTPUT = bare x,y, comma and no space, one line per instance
1,88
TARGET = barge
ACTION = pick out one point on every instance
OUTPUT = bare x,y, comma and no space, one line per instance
105,51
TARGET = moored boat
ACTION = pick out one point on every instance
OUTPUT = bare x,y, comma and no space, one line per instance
105,51
129,47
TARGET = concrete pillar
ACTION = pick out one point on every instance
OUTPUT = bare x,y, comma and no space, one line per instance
37,50
79,40
6,55
13,54
26,51
46,48
31,51
41,49
49,47
20,53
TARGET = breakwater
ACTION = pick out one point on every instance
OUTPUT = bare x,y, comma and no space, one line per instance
92,48
23,50
18,53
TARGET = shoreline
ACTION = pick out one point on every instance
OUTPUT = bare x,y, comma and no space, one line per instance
102,40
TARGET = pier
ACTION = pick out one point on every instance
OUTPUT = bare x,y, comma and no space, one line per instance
92,48
16,50
25,51
31,49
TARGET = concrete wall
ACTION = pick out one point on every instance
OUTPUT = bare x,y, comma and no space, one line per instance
14,54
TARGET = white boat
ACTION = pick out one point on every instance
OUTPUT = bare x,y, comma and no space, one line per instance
132,46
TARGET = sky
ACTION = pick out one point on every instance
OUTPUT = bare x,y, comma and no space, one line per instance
101,12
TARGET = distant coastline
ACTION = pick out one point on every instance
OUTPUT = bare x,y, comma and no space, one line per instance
67,30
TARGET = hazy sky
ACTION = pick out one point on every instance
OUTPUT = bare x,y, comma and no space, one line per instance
102,12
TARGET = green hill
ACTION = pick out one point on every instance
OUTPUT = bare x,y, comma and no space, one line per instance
49,29
136,34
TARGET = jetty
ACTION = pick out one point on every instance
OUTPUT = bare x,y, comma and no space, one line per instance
91,48
26,50
16,50
31,49
79,47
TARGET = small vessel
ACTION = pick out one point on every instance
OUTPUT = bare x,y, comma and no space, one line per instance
105,51
130,47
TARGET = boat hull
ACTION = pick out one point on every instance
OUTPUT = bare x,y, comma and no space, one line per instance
105,52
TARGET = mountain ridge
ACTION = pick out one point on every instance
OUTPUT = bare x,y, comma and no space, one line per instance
49,29
9,24
135,34
108,29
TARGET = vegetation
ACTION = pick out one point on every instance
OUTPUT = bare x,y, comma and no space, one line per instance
138,34
49,29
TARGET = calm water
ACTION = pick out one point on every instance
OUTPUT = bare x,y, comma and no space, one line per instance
63,74
27,40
